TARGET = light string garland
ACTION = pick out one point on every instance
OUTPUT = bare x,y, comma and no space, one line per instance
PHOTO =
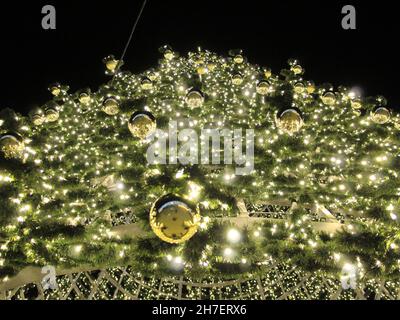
63,176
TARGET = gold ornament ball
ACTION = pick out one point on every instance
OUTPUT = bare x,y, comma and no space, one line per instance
55,89
110,106
168,54
328,98
84,98
52,114
38,117
263,88
237,79
238,59
195,99
381,115
12,145
146,84
111,63
174,220
356,104
142,124
299,87
310,87
290,121
297,69
152,76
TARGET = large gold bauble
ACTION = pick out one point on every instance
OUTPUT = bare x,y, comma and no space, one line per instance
238,59
328,98
111,63
310,87
152,76
299,87
174,220
38,117
12,145
146,84
84,98
142,124
195,99
380,115
356,104
52,114
297,69
263,88
289,121
237,79
55,89
111,106
168,54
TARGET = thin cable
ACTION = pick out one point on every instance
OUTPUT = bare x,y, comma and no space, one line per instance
129,40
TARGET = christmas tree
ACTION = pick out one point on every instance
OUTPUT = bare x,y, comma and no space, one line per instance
319,192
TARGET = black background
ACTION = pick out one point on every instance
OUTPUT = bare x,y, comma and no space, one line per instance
269,32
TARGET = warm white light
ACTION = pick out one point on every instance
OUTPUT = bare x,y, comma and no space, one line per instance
233,236
228,253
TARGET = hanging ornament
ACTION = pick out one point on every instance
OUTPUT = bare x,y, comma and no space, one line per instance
195,98
111,106
146,84
38,117
264,87
356,104
237,79
84,97
152,76
112,64
12,145
55,89
142,124
297,69
329,98
289,120
168,54
238,59
51,112
310,87
299,87
380,115
174,220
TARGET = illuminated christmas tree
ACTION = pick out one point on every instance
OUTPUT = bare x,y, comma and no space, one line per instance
320,194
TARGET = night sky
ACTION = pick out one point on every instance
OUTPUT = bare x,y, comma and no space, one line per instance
269,32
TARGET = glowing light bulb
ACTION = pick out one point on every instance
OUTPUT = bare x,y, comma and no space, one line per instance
233,236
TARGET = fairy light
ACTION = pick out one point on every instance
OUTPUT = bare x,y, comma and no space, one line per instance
233,236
